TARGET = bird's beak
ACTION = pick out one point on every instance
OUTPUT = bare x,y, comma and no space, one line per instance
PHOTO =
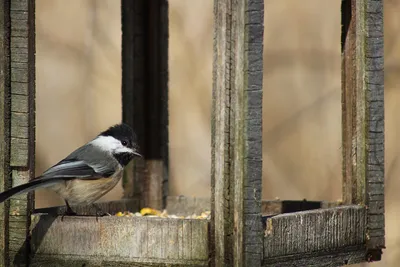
137,154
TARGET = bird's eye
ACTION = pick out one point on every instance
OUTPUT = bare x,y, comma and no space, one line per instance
124,143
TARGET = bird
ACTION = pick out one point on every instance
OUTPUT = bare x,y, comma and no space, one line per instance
90,171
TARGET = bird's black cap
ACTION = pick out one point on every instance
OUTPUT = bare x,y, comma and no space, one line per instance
120,131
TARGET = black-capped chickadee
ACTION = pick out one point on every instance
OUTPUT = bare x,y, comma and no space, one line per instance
89,172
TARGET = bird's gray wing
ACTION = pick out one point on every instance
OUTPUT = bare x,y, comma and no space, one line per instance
87,162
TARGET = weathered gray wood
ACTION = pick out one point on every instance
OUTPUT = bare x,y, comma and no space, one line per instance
94,261
5,129
22,125
275,207
145,96
237,132
363,113
185,205
19,151
316,232
111,207
121,239
341,257
19,128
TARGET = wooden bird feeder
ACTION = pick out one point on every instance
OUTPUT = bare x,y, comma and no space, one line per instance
243,230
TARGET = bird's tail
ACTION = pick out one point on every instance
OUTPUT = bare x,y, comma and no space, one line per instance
24,188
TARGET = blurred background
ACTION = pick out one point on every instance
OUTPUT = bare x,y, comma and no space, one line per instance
79,94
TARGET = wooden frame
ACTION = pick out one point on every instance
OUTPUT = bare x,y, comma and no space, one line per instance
17,120
244,230
347,234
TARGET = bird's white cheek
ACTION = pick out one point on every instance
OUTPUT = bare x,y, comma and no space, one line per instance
107,143
123,149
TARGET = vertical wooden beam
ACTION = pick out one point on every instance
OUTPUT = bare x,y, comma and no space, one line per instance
5,125
363,114
145,96
18,124
236,233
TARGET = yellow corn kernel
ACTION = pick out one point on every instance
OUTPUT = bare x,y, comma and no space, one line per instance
149,211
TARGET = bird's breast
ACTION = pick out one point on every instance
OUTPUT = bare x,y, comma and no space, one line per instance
85,192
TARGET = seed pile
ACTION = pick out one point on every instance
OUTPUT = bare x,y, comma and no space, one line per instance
149,212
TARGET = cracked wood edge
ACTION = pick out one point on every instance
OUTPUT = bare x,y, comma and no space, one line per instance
236,171
363,114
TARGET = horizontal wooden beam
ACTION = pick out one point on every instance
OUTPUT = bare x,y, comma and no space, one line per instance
111,207
184,205
315,233
115,241
340,257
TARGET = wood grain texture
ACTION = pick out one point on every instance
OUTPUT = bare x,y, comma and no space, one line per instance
111,207
320,232
185,205
93,261
5,126
237,132
341,257
221,208
137,240
145,96
363,113
22,125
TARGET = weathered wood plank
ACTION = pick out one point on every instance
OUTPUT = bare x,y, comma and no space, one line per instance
237,132
22,132
19,103
318,232
221,208
19,88
19,5
112,207
19,125
185,205
363,111
95,261
345,256
133,240
145,96
19,152
5,129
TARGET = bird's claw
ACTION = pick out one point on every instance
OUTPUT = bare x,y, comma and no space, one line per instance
68,212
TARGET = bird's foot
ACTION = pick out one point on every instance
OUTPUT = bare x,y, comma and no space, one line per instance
68,212
100,212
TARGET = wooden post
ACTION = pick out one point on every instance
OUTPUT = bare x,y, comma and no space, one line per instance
363,113
17,117
236,233
5,110
145,96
